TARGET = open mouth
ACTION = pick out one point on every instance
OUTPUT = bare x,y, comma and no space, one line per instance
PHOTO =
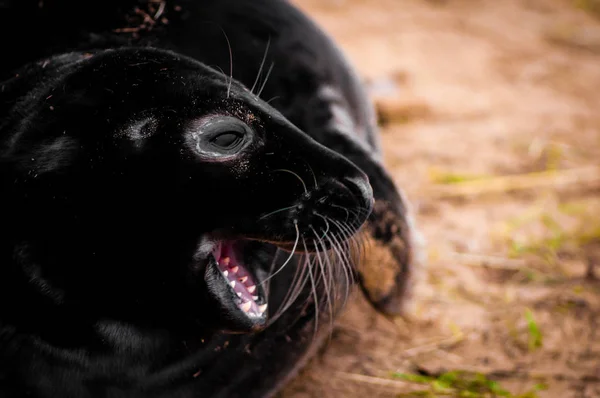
237,287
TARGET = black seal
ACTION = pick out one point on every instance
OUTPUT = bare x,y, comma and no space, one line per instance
182,182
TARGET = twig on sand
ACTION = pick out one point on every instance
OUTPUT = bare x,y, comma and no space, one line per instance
488,261
436,345
379,381
556,179
489,372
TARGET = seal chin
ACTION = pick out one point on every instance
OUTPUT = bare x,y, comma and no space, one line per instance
237,288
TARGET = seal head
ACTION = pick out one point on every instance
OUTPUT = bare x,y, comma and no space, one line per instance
143,185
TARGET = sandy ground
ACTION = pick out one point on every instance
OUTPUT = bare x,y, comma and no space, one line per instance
490,124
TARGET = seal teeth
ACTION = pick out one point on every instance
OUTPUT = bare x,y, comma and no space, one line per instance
239,294
251,289
232,283
246,306
262,308
234,269
226,260
254,298
243,279
225,273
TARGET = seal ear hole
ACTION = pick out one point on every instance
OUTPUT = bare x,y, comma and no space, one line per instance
141,129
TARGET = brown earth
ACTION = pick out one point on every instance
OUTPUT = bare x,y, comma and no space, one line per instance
492,128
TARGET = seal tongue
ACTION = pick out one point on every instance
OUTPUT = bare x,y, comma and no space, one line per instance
240,280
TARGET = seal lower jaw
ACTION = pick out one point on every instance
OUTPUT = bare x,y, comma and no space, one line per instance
236,288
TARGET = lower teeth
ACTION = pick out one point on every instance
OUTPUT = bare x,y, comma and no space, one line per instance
246,306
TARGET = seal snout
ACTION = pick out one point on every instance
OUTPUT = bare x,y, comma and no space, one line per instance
338,206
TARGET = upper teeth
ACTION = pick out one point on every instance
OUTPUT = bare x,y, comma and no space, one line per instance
247,305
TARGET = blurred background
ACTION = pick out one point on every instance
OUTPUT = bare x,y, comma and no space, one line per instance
490,120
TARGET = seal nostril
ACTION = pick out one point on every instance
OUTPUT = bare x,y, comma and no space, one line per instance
361,188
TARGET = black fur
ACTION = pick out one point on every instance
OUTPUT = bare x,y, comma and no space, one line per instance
107,194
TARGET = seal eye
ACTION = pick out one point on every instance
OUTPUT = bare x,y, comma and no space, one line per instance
227,140
219,136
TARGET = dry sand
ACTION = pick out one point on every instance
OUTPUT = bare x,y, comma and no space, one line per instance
493,130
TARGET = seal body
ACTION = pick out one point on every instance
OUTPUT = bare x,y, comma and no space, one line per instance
169,171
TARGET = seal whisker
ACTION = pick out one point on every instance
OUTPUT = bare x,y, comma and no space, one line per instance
273,99
343,208
276,211
358,211
329,288
315,295
331,268
343,269
354,245
348,235
357,237
355,212
326,223
289,258
358,242
297,176
327,283
297,286
349,265
230,59
344,242
230,65
220,69
349,231
314,176
299,289
262,64
344,260
265,81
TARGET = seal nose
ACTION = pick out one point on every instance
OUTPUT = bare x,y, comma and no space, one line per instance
361,189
